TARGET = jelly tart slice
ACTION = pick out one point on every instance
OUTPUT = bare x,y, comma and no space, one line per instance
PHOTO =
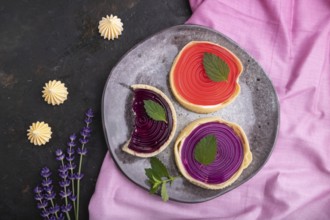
151,135
231,156
190,79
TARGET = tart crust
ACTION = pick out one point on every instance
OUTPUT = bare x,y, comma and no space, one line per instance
145,155
247,155
203,108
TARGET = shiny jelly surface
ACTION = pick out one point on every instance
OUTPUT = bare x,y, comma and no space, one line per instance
149,135
229,155
192,82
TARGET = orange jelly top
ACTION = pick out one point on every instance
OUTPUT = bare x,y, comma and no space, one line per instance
191,81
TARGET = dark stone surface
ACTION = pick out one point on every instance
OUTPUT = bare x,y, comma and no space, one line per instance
45,40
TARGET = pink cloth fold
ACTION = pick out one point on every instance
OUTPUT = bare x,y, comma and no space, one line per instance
291,41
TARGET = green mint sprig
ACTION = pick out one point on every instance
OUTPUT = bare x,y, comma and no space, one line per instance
155,110
216,68
158,177
206,150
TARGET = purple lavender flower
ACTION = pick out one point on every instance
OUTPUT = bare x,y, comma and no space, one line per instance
86,132
55,209
73,137
63,168
70,158
73,197
90,113
38,196
48,189
66,208
38,190
72,176
42,205
47,185
59,155
71,166
45,213
47,182
50,195
63,175
82,151
45,172
64,183
70,151
65,193
88,120
83,141
79,176
38,193
60,217
71,144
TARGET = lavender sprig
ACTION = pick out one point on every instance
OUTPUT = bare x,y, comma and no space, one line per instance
85,134
66,209
42,203
45,195
48,189
71,166
65,182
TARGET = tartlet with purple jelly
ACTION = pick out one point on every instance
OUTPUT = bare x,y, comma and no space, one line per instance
151,135
232,153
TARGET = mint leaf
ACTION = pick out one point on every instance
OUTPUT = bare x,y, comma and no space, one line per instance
154,188
155,179
158,177
163,192
151,173
206,150
148,173
155,110
216,68
158,167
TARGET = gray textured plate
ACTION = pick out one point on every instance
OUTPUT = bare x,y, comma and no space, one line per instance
256,109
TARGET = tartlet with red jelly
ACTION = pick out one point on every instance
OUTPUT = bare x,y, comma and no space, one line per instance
150,136
231,155
192,86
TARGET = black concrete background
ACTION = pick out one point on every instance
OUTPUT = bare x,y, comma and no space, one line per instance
43,40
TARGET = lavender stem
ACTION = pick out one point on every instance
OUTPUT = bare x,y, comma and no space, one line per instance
78,183
88,121
72,186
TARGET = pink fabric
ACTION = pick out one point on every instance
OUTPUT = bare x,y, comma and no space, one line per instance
291,40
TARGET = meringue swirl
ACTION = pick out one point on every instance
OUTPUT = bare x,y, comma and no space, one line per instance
110,27
39,133
54,92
